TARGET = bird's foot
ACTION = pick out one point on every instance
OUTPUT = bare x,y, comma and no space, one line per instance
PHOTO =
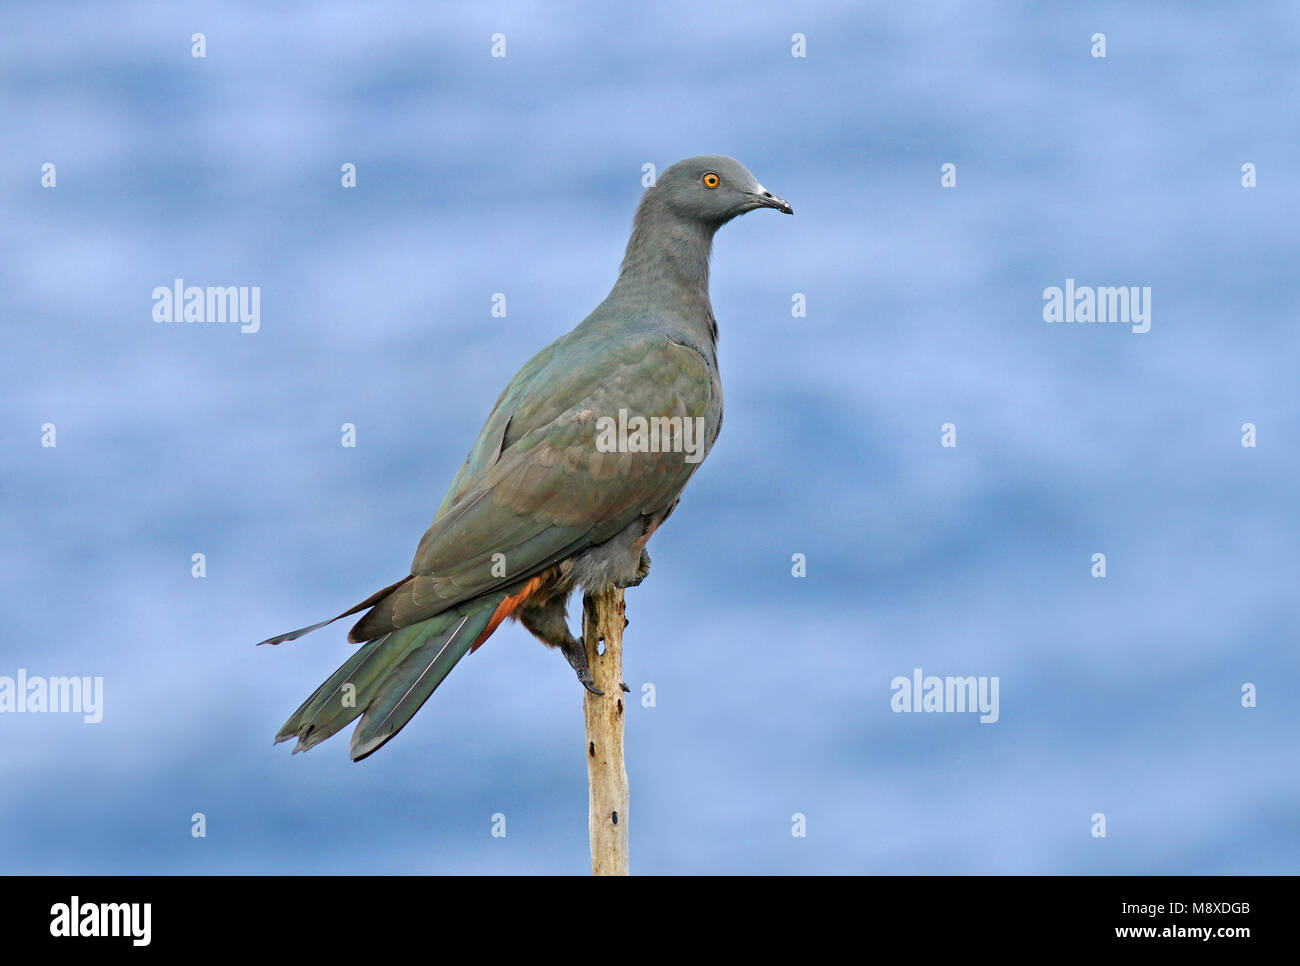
576,654
642,571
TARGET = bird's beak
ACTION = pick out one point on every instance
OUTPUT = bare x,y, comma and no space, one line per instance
765,199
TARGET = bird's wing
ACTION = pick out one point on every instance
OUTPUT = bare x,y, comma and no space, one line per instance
536,488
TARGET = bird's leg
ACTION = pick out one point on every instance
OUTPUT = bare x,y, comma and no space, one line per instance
576,653
547,622
642,571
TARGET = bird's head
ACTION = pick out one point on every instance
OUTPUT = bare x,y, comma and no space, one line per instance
713,189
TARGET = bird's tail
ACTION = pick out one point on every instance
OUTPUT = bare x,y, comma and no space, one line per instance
387,680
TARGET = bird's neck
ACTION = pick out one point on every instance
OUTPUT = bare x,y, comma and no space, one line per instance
666,268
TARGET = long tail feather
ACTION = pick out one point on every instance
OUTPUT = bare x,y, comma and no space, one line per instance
342,697
388,679
369,602
411,683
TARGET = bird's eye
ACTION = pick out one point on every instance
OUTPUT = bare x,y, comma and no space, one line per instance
711,180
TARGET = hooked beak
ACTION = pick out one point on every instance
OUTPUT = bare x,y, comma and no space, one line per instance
765,199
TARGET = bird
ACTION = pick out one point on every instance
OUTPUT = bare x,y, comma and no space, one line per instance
583,457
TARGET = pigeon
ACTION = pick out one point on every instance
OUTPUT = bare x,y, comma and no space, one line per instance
583,457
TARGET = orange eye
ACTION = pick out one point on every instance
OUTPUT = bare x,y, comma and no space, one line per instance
711,180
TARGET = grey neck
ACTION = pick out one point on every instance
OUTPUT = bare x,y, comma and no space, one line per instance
666,267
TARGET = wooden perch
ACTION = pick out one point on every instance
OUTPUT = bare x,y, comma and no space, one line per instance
603,620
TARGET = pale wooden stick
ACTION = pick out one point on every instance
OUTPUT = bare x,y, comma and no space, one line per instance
603,619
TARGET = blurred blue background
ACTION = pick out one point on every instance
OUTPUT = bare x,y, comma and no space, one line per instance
478,175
